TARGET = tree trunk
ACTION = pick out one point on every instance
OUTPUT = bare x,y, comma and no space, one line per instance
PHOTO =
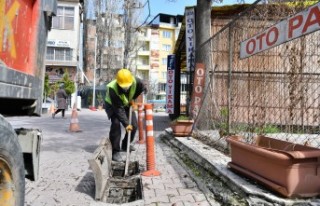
203,28
202,48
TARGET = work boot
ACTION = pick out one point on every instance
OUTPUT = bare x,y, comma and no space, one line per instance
131,148
117,157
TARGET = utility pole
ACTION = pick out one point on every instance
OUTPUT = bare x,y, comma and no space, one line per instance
94,76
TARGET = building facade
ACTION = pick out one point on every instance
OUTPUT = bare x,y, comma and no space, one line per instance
157,40
63,41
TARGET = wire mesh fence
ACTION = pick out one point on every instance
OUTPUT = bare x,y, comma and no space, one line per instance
275,92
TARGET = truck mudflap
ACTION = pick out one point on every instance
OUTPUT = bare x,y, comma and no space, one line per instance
30,141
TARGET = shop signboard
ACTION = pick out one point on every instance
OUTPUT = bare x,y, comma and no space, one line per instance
198,86
302,23
171,67
190,38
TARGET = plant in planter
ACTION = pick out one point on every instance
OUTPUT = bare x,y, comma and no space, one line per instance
182,126
223,123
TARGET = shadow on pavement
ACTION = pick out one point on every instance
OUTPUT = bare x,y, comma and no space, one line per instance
90,148
87,185
161,121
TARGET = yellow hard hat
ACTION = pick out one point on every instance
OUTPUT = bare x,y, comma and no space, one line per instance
124,78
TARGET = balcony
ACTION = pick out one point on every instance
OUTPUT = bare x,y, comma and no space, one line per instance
144,38
60,63
144,53
143,67
168,25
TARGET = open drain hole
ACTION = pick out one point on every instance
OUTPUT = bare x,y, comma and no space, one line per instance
121,189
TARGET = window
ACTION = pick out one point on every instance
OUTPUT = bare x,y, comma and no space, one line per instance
164,61
145,47
64,18
183,87
145,62
59,54
164,75
183,78
166,34
114,43
118,44
166,47
144,33
162,87
112,60
50,53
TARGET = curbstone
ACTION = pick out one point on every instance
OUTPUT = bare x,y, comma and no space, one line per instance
233,189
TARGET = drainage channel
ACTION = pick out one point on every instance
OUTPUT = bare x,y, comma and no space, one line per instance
110,184
121,189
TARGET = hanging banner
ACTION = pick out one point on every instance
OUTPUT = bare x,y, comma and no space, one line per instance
170,84
190,38
154,49
197,92
293,27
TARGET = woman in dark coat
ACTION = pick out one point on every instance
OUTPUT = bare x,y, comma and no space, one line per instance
62,101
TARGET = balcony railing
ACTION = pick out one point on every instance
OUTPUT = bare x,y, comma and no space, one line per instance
143,67
144,53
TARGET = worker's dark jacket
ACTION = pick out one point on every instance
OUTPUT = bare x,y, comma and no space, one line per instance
117,100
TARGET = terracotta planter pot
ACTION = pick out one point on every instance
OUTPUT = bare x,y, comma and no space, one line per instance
292,170
182,128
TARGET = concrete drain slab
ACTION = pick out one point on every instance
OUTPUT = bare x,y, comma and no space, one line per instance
111,185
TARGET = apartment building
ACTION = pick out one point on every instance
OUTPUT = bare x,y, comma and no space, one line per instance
63,41
142,60
157,40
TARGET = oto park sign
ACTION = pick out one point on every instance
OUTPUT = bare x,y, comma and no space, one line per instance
302,23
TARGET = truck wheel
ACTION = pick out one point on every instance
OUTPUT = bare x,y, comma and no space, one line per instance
12,182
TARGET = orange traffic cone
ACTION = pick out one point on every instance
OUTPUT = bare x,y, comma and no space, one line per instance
74,122
52,110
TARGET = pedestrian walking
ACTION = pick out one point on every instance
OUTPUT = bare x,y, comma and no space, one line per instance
62,101
121,93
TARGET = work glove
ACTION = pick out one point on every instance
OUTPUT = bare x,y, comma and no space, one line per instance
129,128
132,103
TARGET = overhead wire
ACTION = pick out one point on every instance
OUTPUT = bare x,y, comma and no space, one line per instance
148,16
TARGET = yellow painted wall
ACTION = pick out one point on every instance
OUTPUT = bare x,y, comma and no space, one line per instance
164,54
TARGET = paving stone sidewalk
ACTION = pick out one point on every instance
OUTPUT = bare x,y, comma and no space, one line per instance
174,186
65,176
